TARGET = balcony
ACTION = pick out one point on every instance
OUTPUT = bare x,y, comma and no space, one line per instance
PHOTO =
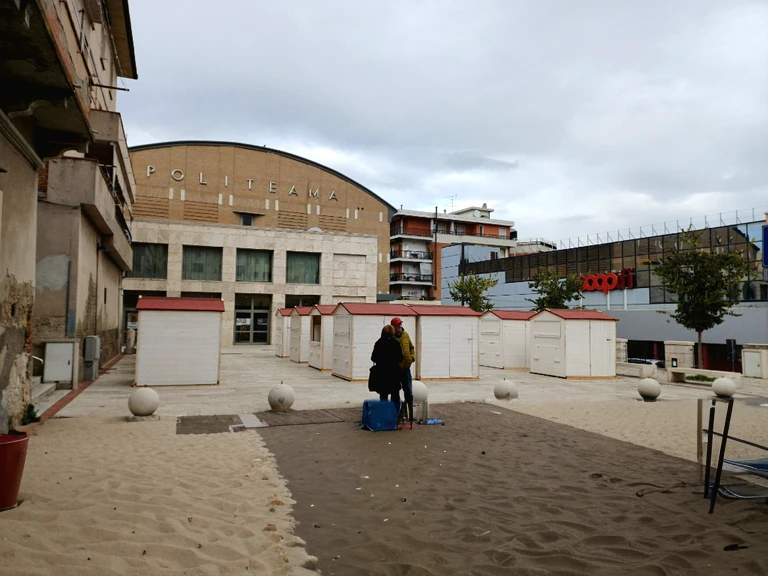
413,232
412,255
110,146
410,278
73,181
41,85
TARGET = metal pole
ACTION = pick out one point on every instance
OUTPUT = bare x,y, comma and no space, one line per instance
719,471
707,470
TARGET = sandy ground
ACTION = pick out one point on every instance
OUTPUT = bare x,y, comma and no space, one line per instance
667,426
497,492
105,496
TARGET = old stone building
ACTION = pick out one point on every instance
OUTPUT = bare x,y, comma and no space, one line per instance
49,87
85,201
259,228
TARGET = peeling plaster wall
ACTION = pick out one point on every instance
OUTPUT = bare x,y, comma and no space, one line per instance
18,225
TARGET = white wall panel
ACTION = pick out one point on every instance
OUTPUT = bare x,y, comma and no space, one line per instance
577,346
492,346
515,334
178,348
342,344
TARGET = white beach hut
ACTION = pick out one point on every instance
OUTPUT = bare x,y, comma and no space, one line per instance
179,341
321,336
504,339
283,332
448,342
356,327
573,344
299,351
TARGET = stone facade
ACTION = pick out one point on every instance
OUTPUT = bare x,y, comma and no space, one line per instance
348,265
220,183
681,351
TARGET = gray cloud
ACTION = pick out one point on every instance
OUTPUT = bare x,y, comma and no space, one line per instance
629,113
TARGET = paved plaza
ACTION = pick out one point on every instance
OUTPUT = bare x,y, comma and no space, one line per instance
248,373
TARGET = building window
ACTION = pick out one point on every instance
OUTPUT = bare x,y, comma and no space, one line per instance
254,265
291,301
201,263
302,268
246,219
149,261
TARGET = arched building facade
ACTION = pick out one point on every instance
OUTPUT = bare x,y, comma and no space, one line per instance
259,228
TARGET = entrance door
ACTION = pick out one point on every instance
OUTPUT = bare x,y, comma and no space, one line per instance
252,318
243,327
260,327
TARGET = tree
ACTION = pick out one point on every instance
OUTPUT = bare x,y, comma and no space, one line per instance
704,281
470,290
553,291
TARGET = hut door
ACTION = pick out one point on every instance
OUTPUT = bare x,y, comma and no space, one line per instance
461,357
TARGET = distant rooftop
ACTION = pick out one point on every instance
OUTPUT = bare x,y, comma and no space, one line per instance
457,216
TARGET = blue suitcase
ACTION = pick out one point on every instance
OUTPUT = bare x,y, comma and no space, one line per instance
380,415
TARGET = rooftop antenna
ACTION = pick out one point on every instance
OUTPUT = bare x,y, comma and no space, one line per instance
452,198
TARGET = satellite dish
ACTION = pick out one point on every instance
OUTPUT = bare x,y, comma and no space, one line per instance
476,213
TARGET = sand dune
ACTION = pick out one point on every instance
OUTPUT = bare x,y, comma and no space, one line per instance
106,497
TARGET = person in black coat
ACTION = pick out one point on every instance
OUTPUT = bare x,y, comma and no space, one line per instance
387,355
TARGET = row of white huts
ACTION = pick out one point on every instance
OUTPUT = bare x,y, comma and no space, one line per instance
451,341
178,340
340,338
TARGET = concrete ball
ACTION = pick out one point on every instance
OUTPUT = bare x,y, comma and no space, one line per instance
281,398
420,392
724,387
649,389
143,402
505,391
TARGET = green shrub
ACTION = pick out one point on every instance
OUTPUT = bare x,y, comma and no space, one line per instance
700,378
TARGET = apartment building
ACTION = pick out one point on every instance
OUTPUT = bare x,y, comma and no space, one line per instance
45,110
417,239
85,196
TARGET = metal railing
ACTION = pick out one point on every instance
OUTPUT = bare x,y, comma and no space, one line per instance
409,277
731,218
411,254
400,231
113,185
426,233
475,234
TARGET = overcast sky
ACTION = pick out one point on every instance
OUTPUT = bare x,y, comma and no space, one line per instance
567,117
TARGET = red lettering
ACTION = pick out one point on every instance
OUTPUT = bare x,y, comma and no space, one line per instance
607,282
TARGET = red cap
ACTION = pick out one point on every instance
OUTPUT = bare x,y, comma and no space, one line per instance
396,322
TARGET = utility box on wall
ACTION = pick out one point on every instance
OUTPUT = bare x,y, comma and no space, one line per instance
754,360
91,355
59,363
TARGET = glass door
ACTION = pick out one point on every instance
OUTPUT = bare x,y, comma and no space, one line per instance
243,327
260,326
252,318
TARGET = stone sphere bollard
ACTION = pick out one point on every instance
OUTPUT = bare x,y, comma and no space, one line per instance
649,389
505,391
143,402
281,398
724,387
420,392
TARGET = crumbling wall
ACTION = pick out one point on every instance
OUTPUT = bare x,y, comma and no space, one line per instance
16,299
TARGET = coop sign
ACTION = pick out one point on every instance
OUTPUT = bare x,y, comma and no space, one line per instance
178,176
606,282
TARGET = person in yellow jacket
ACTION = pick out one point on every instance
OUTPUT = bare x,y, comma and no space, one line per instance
409,355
